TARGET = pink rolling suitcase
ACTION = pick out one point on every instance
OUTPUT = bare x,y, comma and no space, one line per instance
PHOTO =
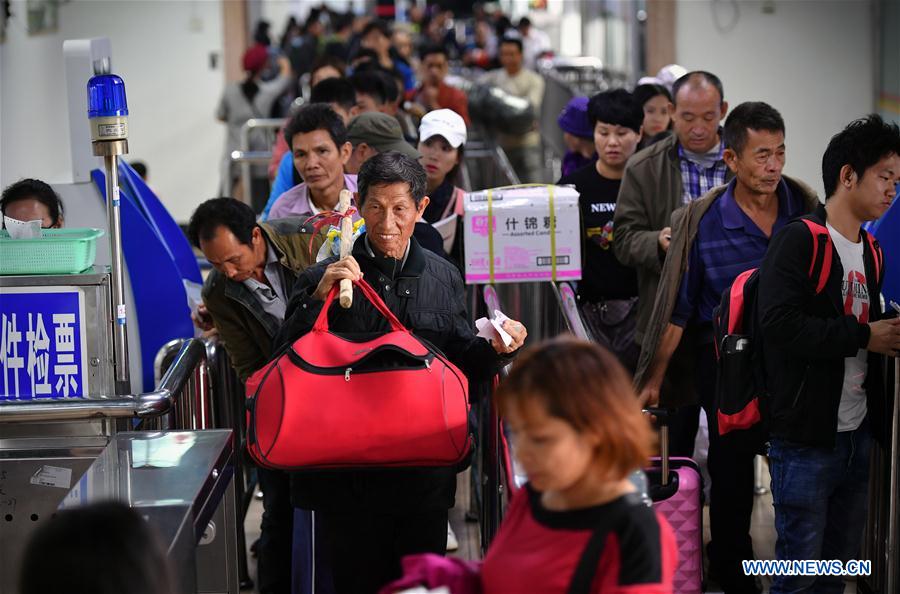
676,488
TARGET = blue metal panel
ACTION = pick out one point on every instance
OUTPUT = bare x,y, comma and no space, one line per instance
165,226
156,281
887,231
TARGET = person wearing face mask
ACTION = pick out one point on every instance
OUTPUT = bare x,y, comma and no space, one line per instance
657,181
33,200
608,290
442,138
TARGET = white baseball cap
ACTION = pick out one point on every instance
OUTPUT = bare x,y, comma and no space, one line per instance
443,122
670,73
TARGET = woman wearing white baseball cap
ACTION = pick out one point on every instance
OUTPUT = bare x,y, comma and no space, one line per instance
442,137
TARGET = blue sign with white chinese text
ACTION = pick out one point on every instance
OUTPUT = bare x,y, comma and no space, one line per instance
42,343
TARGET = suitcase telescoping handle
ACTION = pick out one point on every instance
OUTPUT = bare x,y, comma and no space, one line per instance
366,289
662,420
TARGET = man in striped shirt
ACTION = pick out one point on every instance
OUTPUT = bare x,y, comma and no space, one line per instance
660,179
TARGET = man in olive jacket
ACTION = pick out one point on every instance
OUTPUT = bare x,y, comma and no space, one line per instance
666,175
244,325
255,267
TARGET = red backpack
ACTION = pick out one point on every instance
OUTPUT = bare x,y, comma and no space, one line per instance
740,383
335,401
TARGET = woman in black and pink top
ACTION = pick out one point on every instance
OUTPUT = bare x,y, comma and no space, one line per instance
578,525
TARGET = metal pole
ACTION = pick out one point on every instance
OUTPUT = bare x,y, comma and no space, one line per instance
118,281
892,579
108,117
111,151
244,145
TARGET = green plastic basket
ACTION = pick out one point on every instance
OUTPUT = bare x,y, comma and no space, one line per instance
59,251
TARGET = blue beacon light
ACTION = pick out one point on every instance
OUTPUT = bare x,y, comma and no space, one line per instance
107,108
108,119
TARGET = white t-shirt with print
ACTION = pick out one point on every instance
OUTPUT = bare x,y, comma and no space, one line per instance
855,296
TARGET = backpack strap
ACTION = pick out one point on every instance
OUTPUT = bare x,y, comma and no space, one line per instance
736,301
877,255
818,231
456,204
460,201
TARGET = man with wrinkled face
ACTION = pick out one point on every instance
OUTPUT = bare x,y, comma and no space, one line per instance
372,518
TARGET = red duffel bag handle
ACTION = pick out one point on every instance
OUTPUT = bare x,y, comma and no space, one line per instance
321,324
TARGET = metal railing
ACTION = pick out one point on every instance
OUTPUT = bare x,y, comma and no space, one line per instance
882,537
494,484
175,390
568,305
245,157
545,316
241,158
216,401
486,166
892,550
193,410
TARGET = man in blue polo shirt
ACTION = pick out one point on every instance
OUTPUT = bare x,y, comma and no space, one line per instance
714,239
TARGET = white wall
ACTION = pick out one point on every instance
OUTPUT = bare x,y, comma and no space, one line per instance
277,12
161,49
813,60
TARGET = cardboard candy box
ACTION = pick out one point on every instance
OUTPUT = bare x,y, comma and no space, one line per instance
512,226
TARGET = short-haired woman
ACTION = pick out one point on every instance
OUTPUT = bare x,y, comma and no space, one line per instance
578,445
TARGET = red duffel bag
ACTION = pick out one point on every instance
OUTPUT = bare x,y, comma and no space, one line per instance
335,402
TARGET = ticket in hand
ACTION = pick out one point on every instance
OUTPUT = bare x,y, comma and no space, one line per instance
493,329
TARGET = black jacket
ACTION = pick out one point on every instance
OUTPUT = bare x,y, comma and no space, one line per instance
428,296
806,338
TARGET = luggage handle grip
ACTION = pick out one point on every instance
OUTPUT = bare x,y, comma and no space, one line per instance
662,417
321,324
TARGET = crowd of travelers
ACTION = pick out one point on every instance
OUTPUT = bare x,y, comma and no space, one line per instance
680,195
400,70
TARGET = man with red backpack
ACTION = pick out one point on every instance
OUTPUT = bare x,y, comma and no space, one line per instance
821,340
714,239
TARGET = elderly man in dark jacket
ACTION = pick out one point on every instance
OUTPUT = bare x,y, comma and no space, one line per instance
374,517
